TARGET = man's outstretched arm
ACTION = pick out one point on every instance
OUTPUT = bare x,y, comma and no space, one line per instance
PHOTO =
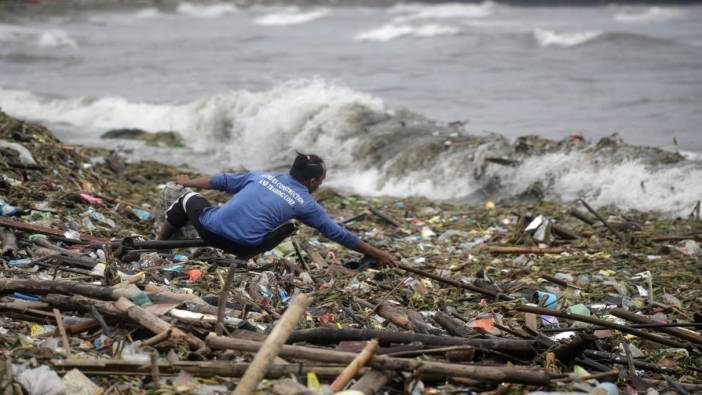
318,219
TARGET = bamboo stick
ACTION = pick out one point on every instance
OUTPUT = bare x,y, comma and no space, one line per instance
352,369
222,302
62,331
155,324
272,346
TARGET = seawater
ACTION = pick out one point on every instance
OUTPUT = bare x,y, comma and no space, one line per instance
377,91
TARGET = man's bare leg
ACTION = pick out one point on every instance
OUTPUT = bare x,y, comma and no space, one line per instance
166,231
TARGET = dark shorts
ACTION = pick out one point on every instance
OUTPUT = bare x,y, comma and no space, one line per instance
188,209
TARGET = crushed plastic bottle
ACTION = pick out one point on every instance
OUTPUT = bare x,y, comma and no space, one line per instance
141,214
7,210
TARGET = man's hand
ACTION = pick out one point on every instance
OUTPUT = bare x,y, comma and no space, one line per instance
385,259
382,257
183,180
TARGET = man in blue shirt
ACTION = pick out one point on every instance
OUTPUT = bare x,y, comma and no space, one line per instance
256,218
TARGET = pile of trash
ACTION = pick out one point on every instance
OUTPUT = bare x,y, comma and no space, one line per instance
501,298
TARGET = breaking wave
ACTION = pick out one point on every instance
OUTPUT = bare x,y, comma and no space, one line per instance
547,38
205,10
652,14
376,150
293,16
392,31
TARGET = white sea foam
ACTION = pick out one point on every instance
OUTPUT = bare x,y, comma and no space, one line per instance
56,38
627,185
393,31
206,10
547,38
292,16
414,11
652,14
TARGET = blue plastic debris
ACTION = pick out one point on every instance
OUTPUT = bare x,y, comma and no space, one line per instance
25,297
142,214
18,262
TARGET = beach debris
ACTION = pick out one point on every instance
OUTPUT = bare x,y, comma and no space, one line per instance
525,297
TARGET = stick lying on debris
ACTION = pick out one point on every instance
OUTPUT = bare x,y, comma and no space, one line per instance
612,325
488,373
454,283
155,324
352,369
273,345
526,250
516,347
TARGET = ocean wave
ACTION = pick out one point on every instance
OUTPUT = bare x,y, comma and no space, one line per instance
215,10
293,16
393,31
54,38
414,11
548,38
375,150
652,14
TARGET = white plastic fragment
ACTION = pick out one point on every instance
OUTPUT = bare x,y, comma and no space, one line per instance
40,381
24,155
76,383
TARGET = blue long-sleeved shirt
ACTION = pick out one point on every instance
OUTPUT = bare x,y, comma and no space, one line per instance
264,201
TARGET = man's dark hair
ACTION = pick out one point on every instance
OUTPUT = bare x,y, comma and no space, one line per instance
306,166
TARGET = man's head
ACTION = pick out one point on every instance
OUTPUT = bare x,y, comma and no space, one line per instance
309,169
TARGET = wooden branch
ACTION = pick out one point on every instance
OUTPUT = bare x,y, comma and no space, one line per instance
196,368
392,221
577,214
451,325
392,314
156,339
222,302
352,369
608,324
558,281
515,347
272,346
677,332
62,331
14,224
458,284
526,250
155,372
596,214
41,287
155,324
525,375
